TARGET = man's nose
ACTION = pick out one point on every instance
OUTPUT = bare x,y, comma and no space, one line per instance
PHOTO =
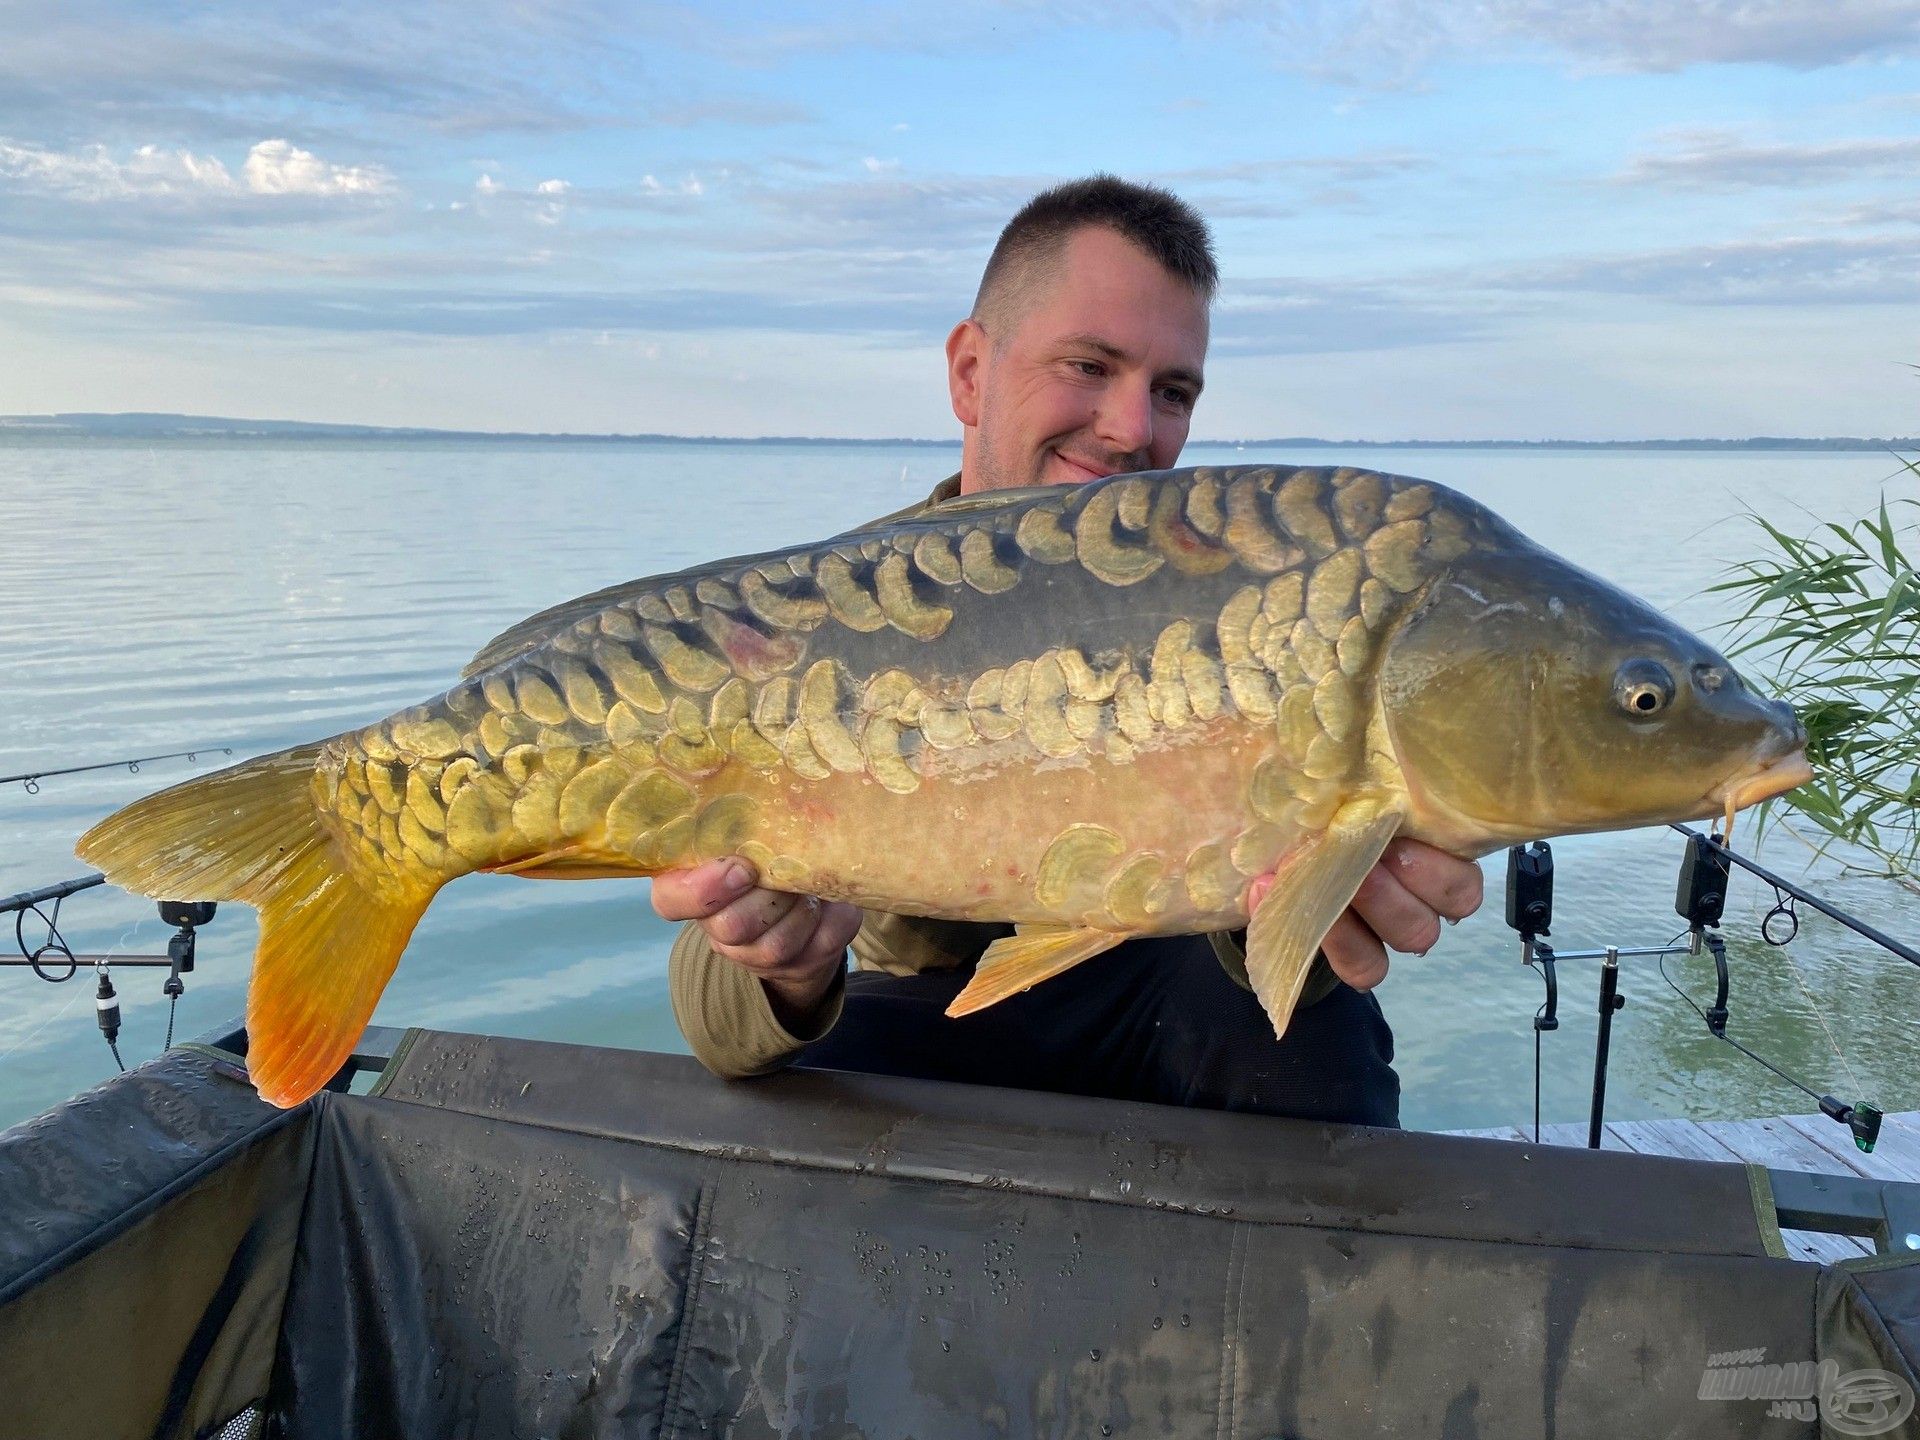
1125,420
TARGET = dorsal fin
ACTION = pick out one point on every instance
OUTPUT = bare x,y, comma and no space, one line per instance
537,629
988,500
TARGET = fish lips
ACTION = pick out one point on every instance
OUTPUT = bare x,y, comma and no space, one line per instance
1773,778
1780,765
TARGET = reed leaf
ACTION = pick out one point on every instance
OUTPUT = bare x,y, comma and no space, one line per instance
1830,622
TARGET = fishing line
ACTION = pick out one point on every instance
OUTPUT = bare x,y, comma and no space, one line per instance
1537,1030
1783,906
1806,897
1784,916
185,916
1721,1034
1700,901
33,1034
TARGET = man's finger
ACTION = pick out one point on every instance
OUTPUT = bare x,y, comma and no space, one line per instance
748,918
1355,952
810,939
701,890
773,952
1257,891
839,923
1385,909
1396,916
1445,883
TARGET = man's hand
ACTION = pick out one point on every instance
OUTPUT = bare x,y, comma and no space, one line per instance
1399,907
792,943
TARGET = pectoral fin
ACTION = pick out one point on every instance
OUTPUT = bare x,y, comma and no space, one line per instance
1022,960
1315,882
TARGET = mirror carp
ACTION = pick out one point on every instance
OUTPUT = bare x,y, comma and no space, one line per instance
1097,711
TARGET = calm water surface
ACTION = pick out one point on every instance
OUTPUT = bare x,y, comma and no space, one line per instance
157,596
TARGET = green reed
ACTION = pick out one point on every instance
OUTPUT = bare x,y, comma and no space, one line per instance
1832,620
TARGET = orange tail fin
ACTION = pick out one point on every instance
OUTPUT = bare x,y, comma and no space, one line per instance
328,943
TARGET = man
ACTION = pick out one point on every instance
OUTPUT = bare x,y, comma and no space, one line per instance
1083,357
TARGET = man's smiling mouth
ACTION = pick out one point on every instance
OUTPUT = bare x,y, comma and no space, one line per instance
1088,470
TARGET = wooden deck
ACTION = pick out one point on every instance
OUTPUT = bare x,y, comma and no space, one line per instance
1784,1142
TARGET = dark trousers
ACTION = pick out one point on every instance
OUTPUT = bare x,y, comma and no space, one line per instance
1154,1019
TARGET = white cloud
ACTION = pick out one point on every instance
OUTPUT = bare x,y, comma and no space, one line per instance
650,185
553,205
92,173
65,297
544,204
1898,212
1354,39
876,166
1876,270
1718,160
278,167
737,111
272,167
1662,35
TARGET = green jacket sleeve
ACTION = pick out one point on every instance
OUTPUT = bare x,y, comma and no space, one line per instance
725,1015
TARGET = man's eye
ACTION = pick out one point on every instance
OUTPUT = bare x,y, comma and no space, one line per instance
1088,367
1175,396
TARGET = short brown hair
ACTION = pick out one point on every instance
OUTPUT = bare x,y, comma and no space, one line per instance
1156,220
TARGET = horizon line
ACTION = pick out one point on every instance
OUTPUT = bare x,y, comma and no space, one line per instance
164,424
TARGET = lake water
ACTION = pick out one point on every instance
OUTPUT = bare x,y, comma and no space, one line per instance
155,596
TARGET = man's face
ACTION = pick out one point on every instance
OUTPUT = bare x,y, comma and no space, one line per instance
1098,375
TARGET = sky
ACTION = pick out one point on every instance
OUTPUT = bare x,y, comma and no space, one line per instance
1587,219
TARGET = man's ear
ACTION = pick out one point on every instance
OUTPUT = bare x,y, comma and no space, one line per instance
966,366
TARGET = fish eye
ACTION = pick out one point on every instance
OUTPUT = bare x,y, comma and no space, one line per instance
1643,687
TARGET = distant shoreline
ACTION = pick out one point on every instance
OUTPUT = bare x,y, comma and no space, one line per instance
144,426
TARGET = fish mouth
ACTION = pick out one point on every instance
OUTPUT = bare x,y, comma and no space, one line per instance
1775,777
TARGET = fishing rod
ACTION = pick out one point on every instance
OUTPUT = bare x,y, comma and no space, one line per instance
30,780
1700,900
1790,892
48,958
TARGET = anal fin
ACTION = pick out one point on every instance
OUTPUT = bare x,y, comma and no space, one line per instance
1020,961
327,949
1315,882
